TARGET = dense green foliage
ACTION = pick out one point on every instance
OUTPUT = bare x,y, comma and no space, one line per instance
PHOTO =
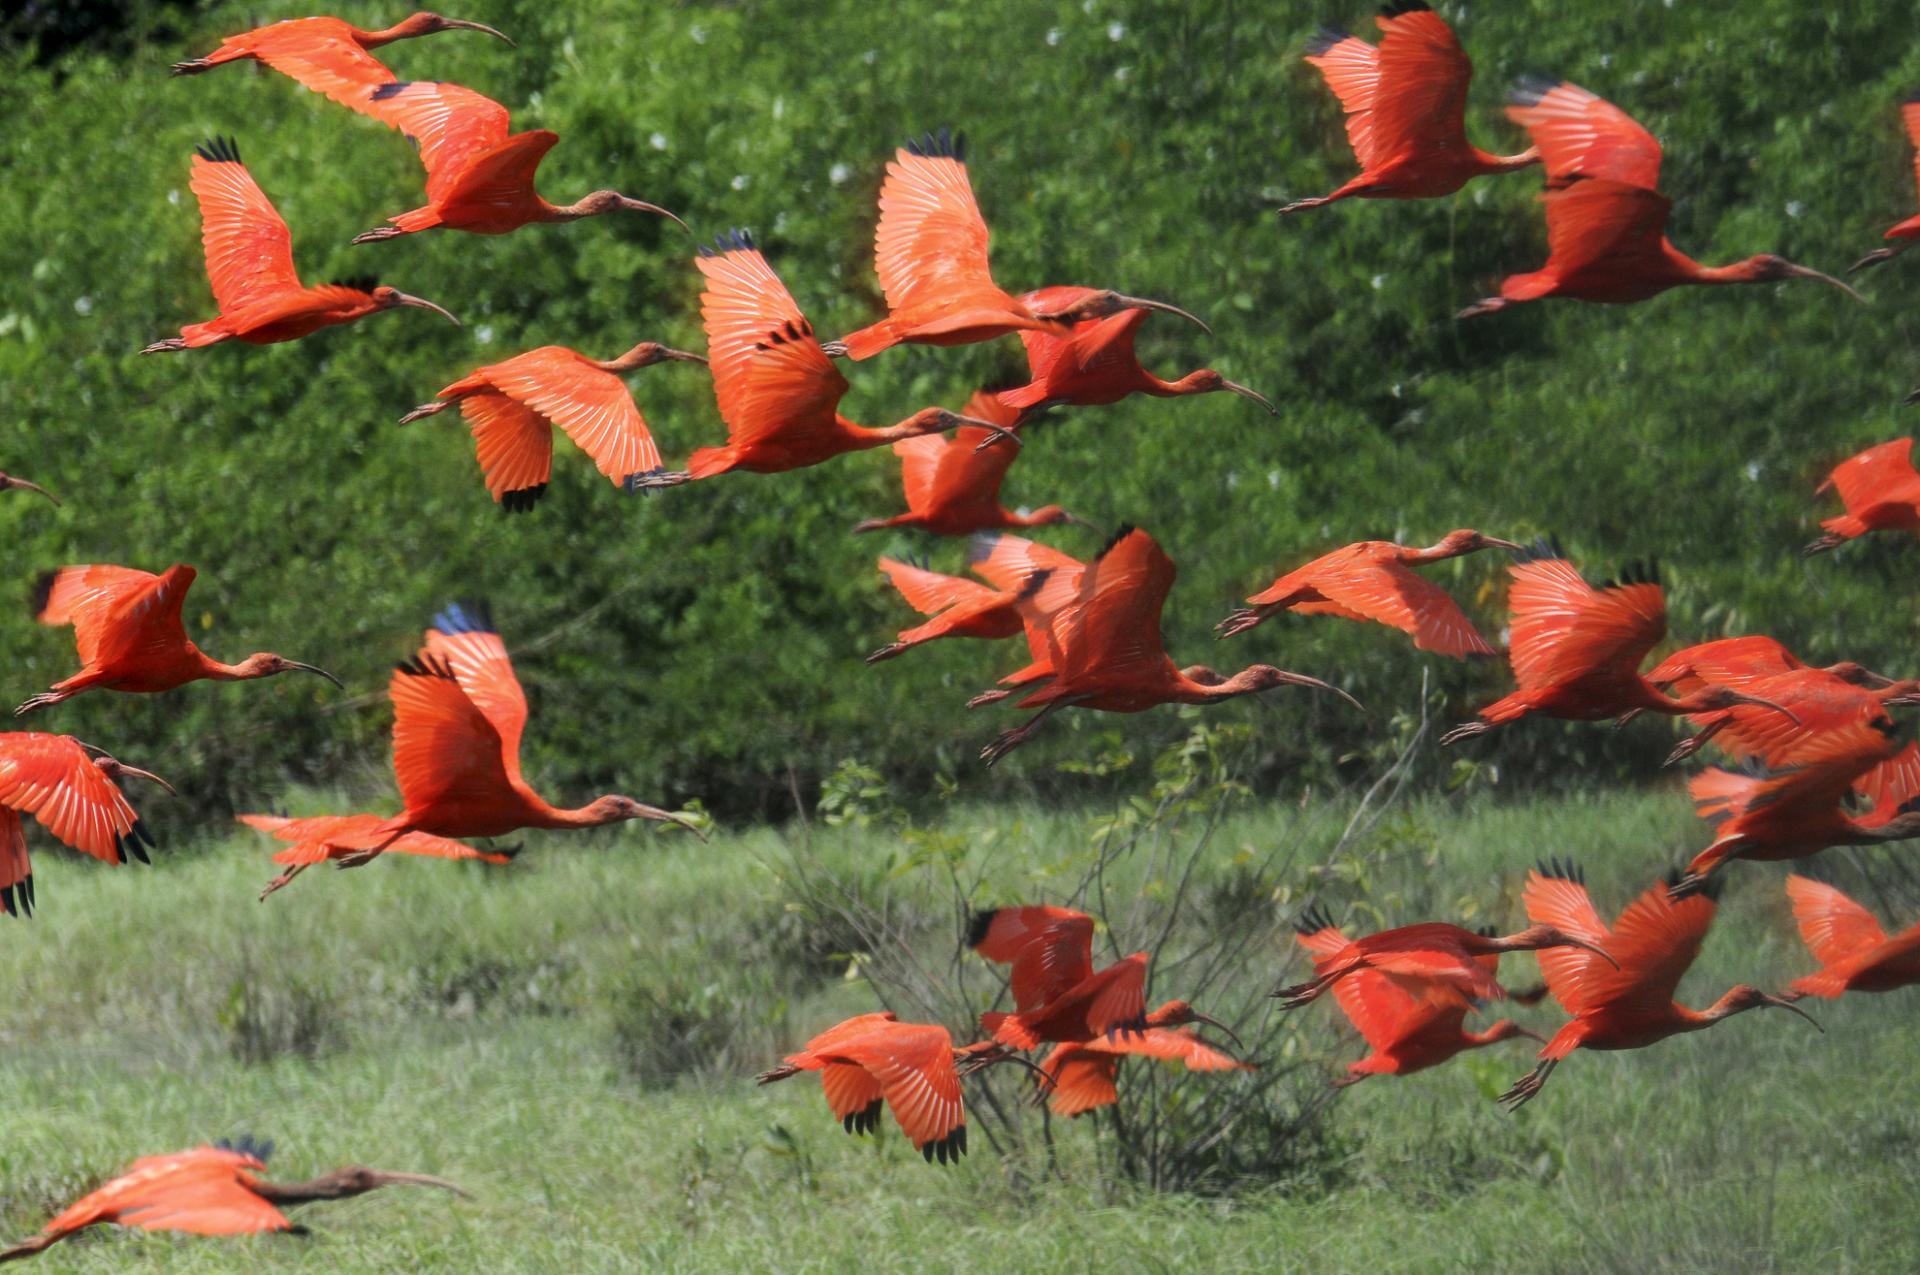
481,1023
707,641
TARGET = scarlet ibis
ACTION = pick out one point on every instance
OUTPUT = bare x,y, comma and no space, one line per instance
249,255
1430,959
1105,650
1095,363
69,787
913,1068
327,55
1576,648
210,1190
458,714
1880,490
1043,581
479,177
1374,580
127,626
1630,1004
10,483
1606,217
953,487
1406,105
1855,954
513,408
930,251
1793,809
959,608
1081,1075
1410,1023
1907,231
777,391
336,837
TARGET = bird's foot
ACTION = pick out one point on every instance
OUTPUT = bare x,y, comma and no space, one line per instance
167,346
279,882
1523,1089
1683,750
1688,884
656,480
869,524
376,235
1238,622
834,349
1829,541
357,859
193,66
46,699
1486,305
887,652
996,436
1005,742
1467,731
1874,258
425,410
1346,1080
1621,721
1301,205
988,697
1299,994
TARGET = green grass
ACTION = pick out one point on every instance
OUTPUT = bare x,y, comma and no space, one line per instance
500,1027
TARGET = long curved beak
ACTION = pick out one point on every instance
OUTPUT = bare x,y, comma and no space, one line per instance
148,775
1164,307
1078,521
1808,272
1244,392
1595,948
420,1179
641,205
684,356
421,303
667,816
314,669
1494,542
1301,679
8,480
1214,1022
1781,1002
1757,702
462,24
1046,1081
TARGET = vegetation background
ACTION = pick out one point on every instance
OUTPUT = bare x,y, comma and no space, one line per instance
706,642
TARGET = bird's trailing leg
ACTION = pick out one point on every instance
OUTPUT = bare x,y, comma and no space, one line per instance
1523,1089
834,349
426,409
1302,993
1695,742
989,697
45,699
888,651
281,881
1466,731
655,479
1242,620
38,1244
1351,1078
1008,740
167,346
1620,722
1879,256
997,435
1485,305
380,233
1829,541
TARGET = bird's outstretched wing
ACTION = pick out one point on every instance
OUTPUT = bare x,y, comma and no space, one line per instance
770,375
1421,102
463,636
452,125
1352,70
1832,925
591,404
931,242
249,250
1563,627
1583,135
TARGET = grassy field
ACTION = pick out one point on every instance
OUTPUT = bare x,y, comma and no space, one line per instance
516,1029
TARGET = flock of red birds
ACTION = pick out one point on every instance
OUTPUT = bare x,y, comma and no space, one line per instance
1821,761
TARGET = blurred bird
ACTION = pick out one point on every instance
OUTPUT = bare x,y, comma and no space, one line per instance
479,177
69,787
210,1190
249,254
1907,231
1082,1075
336,837
327,55
959,608
777,391
1105,651
9,483
1431,959
1606,217
458,714
913,1068
1406,105
1409,1022
1095,364
513,408
1855,954
1880,490
1374,580
1576,648
127,627
953,487
930,251
1628,1005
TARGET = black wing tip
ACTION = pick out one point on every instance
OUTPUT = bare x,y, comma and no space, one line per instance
1528,89
219,150
1120,533
1682,884
1639,571
392,88
865,1120
941,143
1543,549
42,591
260,1149
468,615
1399,8
1485,931
1325,38
1315,919
1911,98
358,282
424,665
135,841
1557,869
947,1150
734,240
522,500
978,924
17,899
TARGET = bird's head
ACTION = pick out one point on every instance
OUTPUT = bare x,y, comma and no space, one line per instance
1768,268
1072,305
1743,997
614,808
938,420
1904,693
647,353
602,202
385,298
425,23
1208,381
267,664
1507,1029
1713,699
1265,677
1467,540
1178,1013
1856,674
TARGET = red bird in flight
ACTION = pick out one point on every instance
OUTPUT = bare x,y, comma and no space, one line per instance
1081,1076
953,486
1105,651
70,788
1880,490
1015,568
1628,1005
1606,217
127,626
327,55
334,838
1406,105
210,1190
249,255
1410,1023
1855,954
1374,580
1907,231
1429,959
513,408
479,177
930,251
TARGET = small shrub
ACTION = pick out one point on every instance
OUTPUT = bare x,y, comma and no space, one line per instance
265,1022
